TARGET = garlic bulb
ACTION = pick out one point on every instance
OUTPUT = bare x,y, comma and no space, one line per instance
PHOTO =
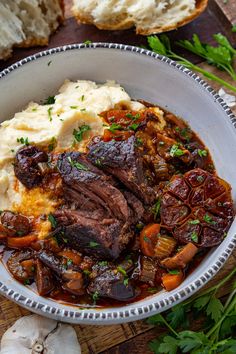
38,335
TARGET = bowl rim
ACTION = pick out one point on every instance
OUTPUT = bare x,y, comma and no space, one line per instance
98,316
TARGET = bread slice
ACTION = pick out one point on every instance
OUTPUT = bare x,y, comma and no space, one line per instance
148,16
26,23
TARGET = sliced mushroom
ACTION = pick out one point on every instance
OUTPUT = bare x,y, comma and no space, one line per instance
37,335
182,258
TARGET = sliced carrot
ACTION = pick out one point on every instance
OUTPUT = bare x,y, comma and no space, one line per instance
172,281
117,135
29,266
149,238
21,242
75,257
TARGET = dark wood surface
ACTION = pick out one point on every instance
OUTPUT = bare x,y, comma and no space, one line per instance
133,337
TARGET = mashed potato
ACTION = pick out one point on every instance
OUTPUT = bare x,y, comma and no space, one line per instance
78,103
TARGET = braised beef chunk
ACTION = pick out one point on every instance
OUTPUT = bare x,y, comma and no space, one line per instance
16,224
26,165
44,279
111,284
102,238
121,159
71,276
80,175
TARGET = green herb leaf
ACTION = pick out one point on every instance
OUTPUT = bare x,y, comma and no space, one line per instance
50,113
113,127
73,107
93,244
202,153
95,297
126,281
194,222
156,320
156,208
87,41
52,144
207,218
214,309
79,134
50,100
122,270
103,263
24,141
169,345
194,237
133,126
234,29
177,317
77,164
175,151
173,271
52,220
190,340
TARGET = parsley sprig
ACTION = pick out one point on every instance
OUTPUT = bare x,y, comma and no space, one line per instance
79,133
221,56
220,323
161,45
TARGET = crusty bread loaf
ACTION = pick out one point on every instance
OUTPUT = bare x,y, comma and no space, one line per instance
148,16
27,23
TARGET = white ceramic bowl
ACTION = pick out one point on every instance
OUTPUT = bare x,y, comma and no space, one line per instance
153,78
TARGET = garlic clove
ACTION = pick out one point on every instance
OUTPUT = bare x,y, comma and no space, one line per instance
36,335
62,340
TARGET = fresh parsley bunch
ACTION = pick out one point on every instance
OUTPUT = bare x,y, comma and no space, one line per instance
217,330
221,56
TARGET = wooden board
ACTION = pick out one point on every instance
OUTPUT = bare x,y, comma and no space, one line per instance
132,337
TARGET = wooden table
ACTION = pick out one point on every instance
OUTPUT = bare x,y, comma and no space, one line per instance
132,337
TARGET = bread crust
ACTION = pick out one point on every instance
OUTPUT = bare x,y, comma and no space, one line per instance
33,41
129,23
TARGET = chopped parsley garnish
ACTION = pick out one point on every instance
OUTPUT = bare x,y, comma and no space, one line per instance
175,151
156,208
95,297
26,282
133,126
52,220
49,100
194,237
73,107
152,290
77,165
34,109
86,272
24,141
93,244
52,144
200,179
69,262
138,141
131,116
174,271
146,239
103,263
83,110
126,281
82,98
194,222
208,219
202,153
87,41
113,127
121,270
49,63
79,134
50,113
